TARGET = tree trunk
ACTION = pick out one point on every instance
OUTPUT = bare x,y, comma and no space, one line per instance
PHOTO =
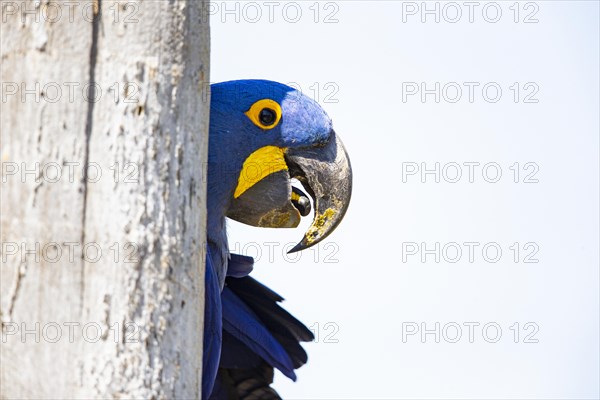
104,133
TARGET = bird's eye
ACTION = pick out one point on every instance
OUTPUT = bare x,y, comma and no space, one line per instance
265,114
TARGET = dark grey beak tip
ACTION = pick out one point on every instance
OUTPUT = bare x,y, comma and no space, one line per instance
297,248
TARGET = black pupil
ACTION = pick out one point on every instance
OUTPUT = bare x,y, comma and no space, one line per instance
267,116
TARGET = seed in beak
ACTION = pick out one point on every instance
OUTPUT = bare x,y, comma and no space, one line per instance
301,201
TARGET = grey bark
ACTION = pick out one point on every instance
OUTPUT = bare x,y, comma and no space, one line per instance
102,277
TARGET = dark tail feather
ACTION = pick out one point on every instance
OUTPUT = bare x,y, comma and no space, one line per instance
246,327
258,335
263,301
282,325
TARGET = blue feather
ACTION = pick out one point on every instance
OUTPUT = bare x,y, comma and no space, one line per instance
212,328
245,326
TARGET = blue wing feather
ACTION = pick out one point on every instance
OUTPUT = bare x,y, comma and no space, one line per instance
241,322
257,336
213,327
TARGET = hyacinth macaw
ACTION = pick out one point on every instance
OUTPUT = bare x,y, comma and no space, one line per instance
261,135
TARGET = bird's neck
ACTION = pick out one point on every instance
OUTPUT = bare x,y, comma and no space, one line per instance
216,235
219,193
223,172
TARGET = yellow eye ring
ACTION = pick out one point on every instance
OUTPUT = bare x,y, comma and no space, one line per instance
265,114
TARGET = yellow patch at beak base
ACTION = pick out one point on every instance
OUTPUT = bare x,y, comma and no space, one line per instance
260,164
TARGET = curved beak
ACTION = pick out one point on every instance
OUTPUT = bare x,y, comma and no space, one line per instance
326,174
267,199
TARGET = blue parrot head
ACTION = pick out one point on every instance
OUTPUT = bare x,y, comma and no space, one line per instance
263,134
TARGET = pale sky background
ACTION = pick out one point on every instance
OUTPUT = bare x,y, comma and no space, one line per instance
361,292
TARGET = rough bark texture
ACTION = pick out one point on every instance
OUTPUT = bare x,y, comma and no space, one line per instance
125,322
